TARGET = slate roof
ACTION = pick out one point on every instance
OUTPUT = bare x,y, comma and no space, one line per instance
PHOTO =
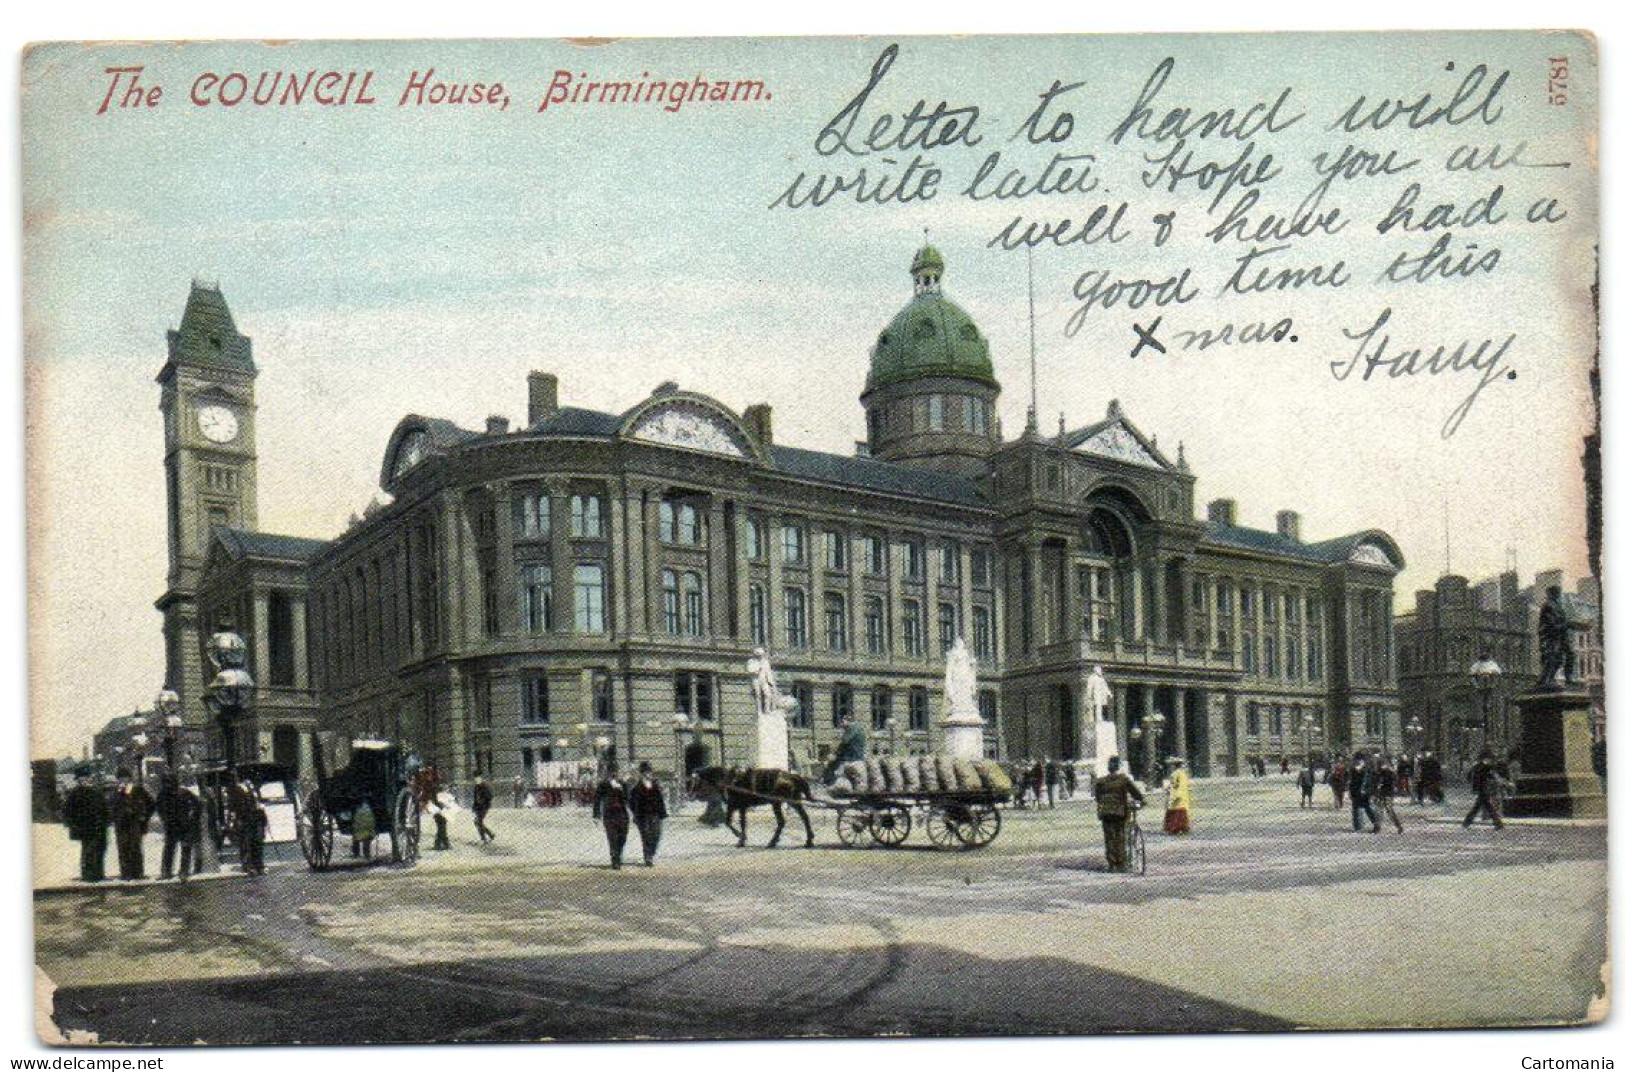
865,474
243,543
1273,543
208,335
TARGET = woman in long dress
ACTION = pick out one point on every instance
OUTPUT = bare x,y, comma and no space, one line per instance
1178,818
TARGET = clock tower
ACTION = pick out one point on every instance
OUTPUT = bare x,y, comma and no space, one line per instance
207,401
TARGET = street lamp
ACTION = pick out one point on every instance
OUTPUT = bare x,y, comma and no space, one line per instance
168,706
231,691
1153,742
1310,728
1485,673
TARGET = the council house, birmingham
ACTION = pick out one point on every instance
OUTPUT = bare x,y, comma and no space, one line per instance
529,593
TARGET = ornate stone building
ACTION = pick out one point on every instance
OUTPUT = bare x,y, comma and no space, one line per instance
589,575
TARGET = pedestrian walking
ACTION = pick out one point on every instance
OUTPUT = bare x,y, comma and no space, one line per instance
1432,780
1177,819
1338,779
1362,791
1070,773
648,806
132,809
1306,787
482,807
181,811
610,808
1112,795
518,791
248,823
442,829
1485,782
1052,780
1387,786
86,812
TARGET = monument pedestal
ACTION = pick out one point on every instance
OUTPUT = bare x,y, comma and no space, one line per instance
1556,780
962,735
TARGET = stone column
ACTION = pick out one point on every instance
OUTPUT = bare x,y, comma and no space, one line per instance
894,600
1160,632
635,584
301,651
507,572
719,574
1176,724
740,566
1137,595
1038,611
262,638
562,559
617,606
653,560
778,634
1000,611
814,550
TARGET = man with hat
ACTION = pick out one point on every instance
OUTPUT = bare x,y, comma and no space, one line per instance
648,805
1112,794
86,813
132,809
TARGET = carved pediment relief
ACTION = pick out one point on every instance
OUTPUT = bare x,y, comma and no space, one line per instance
691,428
1117,442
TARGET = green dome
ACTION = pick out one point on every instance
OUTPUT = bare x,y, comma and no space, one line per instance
931,336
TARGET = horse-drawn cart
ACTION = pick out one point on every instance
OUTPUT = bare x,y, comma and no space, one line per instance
378,776
952,820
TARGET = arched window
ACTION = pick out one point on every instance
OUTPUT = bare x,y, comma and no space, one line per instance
670,602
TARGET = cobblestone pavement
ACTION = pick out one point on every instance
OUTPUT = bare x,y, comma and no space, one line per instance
1268,917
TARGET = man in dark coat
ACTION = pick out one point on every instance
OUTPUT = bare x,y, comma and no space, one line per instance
1486,785
85,811
854,748
132,809
1362,791
248,826
648,805
610,808
182,813
1112,795
482,806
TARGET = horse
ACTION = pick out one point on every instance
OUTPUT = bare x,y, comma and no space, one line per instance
743,789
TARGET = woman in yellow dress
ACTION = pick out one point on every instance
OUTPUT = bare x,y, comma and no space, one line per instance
1178,818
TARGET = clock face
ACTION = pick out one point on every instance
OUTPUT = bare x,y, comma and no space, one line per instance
217,423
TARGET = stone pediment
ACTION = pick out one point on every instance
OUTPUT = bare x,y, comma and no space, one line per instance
1119,441
689,427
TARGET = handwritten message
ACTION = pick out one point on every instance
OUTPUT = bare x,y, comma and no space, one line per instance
1176,172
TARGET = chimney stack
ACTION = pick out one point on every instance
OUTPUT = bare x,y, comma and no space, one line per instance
759,419
1287,523
495,425
1222,512
544,396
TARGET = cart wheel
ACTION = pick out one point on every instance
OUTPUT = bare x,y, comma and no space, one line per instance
980,825
406,829
1136,850
852,826
942,827
891,825
317,832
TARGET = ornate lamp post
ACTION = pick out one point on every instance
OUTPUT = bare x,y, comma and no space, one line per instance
139,740
1310,729
1485,673
231,692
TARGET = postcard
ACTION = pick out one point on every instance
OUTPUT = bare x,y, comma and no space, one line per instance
833,537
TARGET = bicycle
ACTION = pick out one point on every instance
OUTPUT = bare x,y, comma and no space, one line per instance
1135,839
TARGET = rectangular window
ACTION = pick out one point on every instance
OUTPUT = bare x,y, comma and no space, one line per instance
586,515
693,604
950,563
840,702
835,551
1272,666
981,567
835,621
1247,601
913,629
935,413
755,544
536,597
987,705
534,708
589,599
1252,719
795,617
880,707
981,621
482,703
919,710
488,601
1221,598
947,625
692,695
532,515
795,547
758,615
671,602
914,560
1293,666
1270,606
1249,653
874,625
1290,603
1275,720
802,717
603,697
1314,659
873,550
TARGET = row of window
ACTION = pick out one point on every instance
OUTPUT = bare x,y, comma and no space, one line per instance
877,630
870,552
536,611
1283,719
932,413
533,515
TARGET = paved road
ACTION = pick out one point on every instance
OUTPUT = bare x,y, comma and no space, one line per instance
1267,918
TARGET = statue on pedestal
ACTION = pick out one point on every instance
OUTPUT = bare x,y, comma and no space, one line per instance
964,724
1097,696
1556,649
772,714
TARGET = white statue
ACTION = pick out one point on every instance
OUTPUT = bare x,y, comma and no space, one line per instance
772,711
1097,695
964,725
